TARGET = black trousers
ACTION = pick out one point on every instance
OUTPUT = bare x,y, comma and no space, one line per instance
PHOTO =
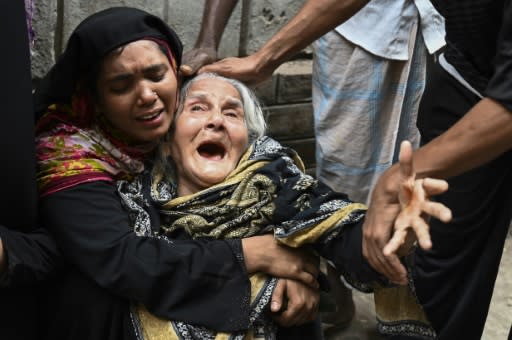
455,280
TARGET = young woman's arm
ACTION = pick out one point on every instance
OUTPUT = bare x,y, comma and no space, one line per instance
182,280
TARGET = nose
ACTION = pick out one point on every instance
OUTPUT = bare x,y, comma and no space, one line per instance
215,120
147,96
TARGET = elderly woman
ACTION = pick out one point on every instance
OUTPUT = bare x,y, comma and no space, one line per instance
101,111
226,180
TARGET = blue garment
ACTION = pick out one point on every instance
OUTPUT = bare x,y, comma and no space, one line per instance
383,27
368,77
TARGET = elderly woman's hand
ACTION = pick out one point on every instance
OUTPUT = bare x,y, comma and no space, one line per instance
294,303
263,254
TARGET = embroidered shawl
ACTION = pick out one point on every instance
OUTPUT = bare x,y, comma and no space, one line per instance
268,192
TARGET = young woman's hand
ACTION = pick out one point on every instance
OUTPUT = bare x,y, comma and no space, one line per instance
263,254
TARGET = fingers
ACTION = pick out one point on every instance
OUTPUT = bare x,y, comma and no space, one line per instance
392,268
222,67
405,159
194,59
301,306
186,71
388,265
277,296
437,210
308,279
421,229
300,270
395,243
434,186
194,65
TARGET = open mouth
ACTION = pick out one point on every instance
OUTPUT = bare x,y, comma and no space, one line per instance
212,151
150,117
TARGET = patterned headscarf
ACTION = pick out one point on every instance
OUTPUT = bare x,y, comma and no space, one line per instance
73,144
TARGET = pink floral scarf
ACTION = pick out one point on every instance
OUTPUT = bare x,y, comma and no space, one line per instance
71,151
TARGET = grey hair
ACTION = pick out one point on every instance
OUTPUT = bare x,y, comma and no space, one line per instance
253,113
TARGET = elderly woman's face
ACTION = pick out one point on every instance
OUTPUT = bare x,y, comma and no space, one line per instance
137,90
209,136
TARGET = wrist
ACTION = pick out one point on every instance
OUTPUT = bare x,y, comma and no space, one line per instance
267,61
388,185
249,248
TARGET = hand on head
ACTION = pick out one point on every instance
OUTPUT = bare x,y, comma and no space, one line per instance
400,203
196,58
246,69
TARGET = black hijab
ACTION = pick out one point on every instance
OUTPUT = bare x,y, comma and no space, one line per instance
91,40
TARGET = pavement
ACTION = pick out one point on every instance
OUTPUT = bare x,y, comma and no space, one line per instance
497,326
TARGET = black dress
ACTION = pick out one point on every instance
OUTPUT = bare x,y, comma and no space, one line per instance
200,282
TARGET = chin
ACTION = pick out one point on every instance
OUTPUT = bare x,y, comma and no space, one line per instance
212,180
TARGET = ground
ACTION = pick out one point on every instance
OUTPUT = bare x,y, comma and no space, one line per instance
499,320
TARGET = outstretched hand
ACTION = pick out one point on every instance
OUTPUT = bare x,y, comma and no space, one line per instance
416,208
400,204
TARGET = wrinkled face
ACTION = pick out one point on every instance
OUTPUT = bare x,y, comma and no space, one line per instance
137,90
209,136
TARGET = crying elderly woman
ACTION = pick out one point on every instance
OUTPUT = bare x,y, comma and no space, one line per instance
220,177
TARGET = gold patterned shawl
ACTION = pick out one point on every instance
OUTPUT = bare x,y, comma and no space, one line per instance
268,192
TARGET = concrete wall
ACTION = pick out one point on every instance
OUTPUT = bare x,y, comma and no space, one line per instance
54,20
287,95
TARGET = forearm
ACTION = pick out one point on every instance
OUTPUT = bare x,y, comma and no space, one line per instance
215,18
345,252
483,134
313,20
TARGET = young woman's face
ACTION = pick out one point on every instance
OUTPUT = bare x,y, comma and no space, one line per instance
209,136
137,90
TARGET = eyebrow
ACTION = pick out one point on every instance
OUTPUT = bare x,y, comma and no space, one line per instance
125,76
202,95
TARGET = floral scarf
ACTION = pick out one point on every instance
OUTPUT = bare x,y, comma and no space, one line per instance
268,192
71,150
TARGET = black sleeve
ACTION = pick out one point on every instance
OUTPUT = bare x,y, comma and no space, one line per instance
199,282
501,81
32,257
346,253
